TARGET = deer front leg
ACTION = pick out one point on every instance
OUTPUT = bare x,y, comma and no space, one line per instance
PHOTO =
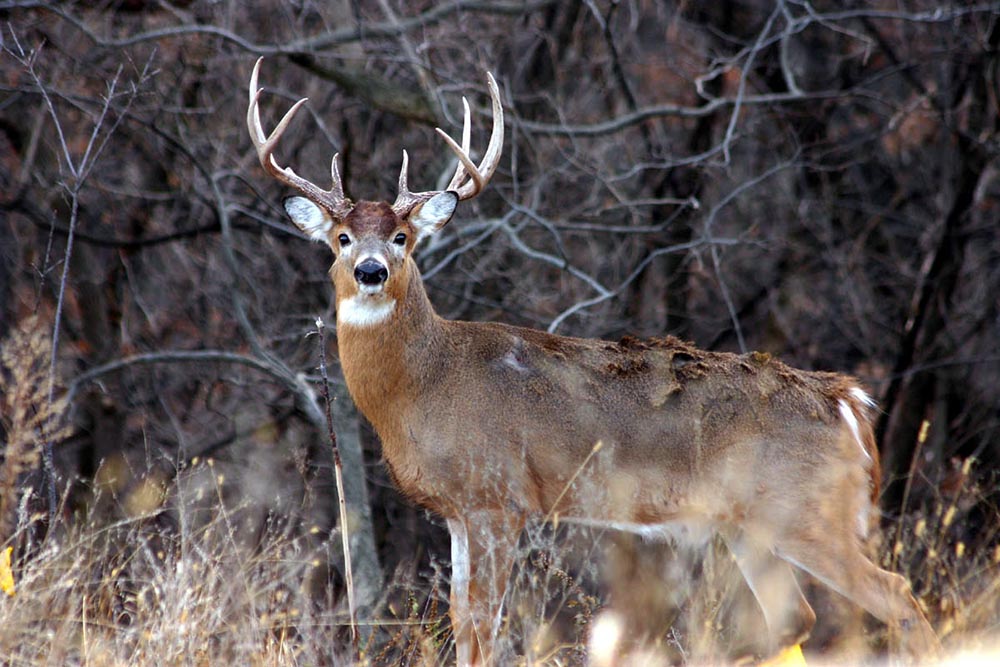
842,566
483,547
788,615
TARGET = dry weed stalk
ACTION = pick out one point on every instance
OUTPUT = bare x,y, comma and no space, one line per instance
338,470
28,417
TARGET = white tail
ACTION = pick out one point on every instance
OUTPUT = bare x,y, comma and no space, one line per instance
489,425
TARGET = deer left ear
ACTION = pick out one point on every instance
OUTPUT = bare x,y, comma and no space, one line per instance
311,218
432,215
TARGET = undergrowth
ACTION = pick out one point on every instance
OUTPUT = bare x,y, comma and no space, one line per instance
191,584
170,570
185,586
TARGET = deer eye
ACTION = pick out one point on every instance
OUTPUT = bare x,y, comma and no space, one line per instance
344,240
400,239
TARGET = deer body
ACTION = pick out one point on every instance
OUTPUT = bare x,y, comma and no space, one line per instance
673,421
489,425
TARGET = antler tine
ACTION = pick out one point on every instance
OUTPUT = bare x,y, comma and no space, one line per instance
481,175
332,199
460,171
253,110
495,148
406,200
403,187
337,187
465,164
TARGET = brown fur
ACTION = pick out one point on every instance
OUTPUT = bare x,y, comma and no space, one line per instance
496,421
372,217
488,424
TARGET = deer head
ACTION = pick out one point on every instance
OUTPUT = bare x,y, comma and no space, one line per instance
373,241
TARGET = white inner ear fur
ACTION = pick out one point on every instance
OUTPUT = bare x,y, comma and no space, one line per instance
310,218
433,214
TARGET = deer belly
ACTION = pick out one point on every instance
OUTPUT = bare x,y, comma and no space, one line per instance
688,533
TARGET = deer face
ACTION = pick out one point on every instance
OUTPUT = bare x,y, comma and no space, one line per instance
372,245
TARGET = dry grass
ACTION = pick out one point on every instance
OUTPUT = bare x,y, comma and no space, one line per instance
193,582
141,591
30,414
188,582
167,569
949,548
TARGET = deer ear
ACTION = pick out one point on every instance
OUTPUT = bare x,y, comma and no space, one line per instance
432,215
311,218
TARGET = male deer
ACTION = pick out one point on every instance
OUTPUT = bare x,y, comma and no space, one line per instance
488,425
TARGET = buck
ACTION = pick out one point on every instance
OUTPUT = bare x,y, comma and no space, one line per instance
489,425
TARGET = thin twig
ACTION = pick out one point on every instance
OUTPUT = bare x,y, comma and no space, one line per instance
678,247
78,172
553,514
714,251
324,40
914,461
745,71
174,356
339,475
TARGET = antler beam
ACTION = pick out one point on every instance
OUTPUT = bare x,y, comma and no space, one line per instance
469,180
333,199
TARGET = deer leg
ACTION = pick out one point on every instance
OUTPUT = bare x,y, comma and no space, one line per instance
842,566
461,617
483,548
788,615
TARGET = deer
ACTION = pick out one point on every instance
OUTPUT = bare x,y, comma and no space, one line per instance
490,425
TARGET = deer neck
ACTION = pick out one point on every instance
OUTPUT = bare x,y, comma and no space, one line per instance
381,360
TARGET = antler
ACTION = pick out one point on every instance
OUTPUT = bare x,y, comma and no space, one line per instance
333,199
469,180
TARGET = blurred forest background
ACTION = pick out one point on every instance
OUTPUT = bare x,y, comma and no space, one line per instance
817,180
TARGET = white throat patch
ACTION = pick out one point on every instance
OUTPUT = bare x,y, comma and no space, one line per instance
364,311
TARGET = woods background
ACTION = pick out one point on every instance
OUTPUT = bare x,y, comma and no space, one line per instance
818,181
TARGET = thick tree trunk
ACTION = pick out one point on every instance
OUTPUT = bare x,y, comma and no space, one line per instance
364,556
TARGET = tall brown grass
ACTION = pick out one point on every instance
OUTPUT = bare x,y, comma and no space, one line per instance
30,413
186,581
176,569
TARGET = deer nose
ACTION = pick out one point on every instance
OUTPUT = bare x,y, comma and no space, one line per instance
371,272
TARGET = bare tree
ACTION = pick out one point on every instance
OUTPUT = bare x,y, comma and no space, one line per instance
808,179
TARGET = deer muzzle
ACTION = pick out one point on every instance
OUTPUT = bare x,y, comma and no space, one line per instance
370,273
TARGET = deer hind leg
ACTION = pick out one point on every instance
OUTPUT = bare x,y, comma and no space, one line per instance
482,555
841,565
788,615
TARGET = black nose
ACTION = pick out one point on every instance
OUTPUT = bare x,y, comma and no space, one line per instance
370,272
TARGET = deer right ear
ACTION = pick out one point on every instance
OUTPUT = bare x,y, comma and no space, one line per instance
433,214
312,219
